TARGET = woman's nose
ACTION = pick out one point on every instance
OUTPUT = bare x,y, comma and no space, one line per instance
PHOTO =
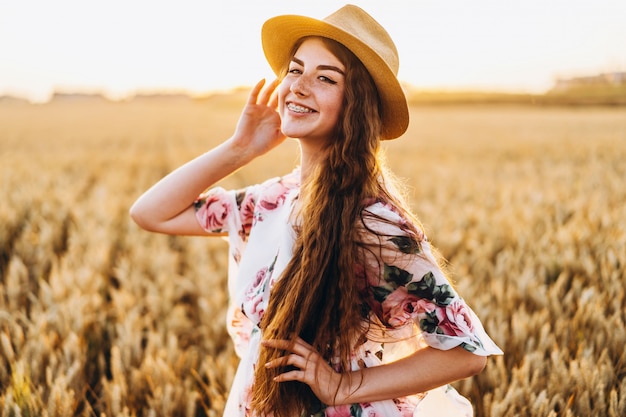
300,86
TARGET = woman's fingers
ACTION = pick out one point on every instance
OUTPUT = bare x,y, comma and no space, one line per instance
273,103
267,94
254,94
302,356
303,363
295,375
304,371
264,94
299,347
292,359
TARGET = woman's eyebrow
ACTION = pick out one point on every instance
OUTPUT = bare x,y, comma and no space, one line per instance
320,67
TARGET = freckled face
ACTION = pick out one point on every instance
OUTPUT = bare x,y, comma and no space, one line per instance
311,95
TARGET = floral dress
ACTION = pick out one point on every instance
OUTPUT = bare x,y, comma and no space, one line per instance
406,291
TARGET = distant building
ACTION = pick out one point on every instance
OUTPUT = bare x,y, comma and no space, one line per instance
606,79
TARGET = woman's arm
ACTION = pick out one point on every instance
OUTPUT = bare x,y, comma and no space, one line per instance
424,370
167,207
421,371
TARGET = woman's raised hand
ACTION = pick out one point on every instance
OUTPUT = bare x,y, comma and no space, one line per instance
258,129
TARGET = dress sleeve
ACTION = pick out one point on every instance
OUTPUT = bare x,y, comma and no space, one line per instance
227,211
406,286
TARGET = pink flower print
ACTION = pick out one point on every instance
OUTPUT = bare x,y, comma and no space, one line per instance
257,306
247,213
254,303
369,411
400,307
212,213
274,196
338,411
405,407
455,319
260,276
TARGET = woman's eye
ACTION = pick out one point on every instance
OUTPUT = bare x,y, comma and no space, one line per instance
327,80
294,71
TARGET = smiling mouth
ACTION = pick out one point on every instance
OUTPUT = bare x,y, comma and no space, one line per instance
299,109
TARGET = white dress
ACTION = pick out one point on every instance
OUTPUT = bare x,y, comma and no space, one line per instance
410,292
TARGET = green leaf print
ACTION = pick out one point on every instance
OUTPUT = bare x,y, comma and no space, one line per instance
239,198
356,410
443,295
406,244
427,288
468,347
381,293
423,288
429,323
396,276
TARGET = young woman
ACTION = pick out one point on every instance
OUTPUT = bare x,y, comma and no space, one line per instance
338,305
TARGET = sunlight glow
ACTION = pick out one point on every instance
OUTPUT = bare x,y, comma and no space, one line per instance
120,47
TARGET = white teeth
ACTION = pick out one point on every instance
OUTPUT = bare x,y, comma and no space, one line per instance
298,109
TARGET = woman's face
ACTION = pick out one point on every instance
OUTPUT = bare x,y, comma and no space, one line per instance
311,94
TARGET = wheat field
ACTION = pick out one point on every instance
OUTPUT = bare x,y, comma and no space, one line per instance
100,318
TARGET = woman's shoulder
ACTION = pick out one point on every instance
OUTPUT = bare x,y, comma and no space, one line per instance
385,217
270,194
382,208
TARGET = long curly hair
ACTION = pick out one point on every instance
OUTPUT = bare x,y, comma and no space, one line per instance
317,297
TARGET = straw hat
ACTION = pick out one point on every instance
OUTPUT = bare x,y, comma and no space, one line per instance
360,33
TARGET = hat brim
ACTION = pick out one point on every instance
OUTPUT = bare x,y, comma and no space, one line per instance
279,35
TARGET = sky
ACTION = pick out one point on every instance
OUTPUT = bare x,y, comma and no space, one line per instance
123,47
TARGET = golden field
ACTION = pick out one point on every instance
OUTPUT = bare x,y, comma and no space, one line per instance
100,318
